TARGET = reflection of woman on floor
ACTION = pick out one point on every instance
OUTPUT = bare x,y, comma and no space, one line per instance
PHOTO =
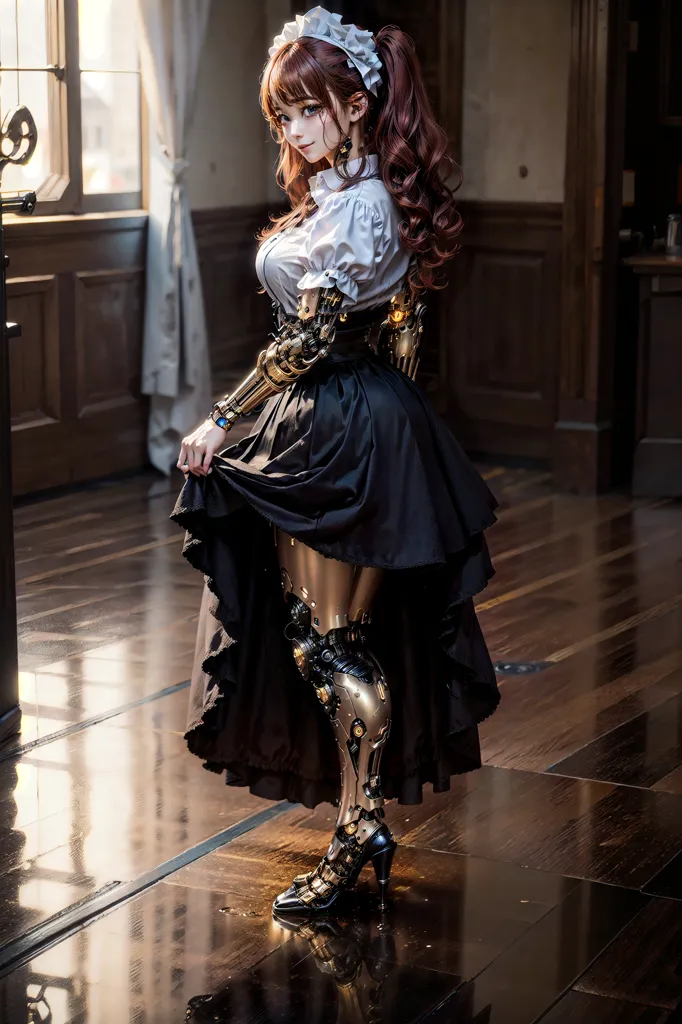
342,980
349,498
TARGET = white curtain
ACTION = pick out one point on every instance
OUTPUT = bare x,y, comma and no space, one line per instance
175,362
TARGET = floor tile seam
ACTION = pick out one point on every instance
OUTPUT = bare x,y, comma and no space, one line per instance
476,977
611,688
560,576
583,778
94,521
576,879
563,655
657,895
100,640
616,999
110,535
519,938
657,611
91,563
92,599
566,618
610,782
104,531
569,987
271,952
580,778
631,1000
604,949
597,560
27,501
76,727
424,1018
609,732
506,518
31,863
118,894
607,517
547,871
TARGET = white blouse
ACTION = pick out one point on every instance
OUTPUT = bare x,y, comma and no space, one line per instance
351,241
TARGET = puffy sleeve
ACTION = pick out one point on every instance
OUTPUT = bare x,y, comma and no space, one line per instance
345,246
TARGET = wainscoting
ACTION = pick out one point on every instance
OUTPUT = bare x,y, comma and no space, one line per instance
490,353
238,317
499,329
76,286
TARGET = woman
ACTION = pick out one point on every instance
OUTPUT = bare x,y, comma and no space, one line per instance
349,497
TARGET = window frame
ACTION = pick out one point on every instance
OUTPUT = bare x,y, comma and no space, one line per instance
62,192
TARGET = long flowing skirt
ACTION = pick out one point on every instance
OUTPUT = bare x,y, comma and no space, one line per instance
352,461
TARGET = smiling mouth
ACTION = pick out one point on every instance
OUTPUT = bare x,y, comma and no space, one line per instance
307,146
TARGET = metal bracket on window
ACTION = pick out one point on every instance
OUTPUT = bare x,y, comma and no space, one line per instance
18,137
56,69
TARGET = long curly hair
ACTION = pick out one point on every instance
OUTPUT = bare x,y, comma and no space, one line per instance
399,127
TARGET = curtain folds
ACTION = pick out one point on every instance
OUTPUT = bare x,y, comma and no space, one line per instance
175,360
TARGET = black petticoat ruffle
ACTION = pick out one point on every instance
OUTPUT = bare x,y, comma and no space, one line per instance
352,461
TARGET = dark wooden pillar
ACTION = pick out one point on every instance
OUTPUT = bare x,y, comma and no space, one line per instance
583,431
10,715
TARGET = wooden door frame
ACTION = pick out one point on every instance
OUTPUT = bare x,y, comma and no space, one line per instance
10,713
592,202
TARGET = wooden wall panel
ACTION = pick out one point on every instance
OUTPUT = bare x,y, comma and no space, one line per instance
499,328
35,384
600,33
437,28
108,317
657,466
76,287
238,317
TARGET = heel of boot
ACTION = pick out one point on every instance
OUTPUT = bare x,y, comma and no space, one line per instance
381,863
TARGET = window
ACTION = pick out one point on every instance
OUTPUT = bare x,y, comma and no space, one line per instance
74,64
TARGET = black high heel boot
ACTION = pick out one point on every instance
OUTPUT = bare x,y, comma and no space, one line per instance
381,862
338,871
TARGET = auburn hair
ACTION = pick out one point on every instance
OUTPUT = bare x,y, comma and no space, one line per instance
399,127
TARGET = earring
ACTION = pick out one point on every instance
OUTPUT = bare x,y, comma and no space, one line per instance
346,148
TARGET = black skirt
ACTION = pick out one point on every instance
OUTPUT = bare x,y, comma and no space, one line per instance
352,461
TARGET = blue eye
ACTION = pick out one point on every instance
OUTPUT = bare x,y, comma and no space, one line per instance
308,111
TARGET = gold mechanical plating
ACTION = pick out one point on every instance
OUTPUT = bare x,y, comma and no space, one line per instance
401,331
327,599
337,594
301,341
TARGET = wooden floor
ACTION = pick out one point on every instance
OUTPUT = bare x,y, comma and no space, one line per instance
547,886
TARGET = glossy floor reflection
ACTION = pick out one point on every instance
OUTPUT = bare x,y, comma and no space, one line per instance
457,929
546,887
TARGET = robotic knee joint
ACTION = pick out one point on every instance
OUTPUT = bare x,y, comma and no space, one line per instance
327,660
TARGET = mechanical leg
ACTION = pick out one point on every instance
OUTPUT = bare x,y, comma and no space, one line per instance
329,602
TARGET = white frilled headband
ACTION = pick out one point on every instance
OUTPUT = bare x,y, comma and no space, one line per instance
356,43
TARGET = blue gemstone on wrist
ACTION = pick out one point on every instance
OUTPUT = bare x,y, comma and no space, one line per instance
221,422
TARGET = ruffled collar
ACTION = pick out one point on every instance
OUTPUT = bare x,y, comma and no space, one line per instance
329,180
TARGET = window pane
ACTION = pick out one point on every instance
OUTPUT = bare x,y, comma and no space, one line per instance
108,35
26,48
111,131
8,32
